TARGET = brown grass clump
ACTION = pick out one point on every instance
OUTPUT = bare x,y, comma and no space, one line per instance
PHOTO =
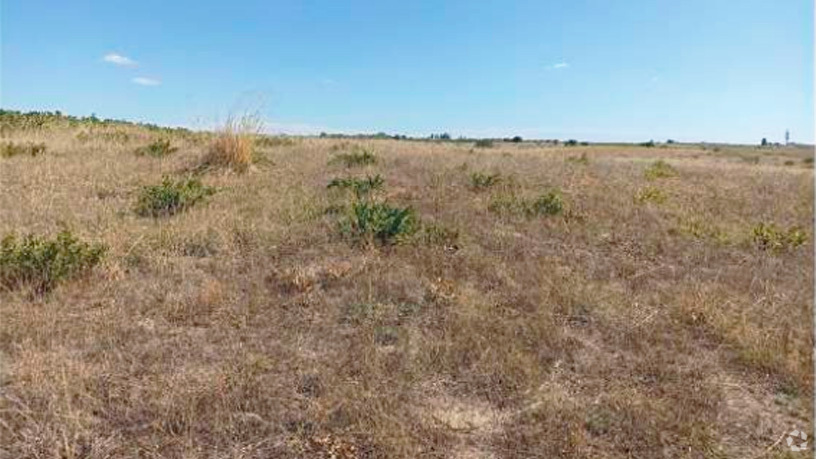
233,146
504,324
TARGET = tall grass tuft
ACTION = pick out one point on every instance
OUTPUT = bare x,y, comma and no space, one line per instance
234,144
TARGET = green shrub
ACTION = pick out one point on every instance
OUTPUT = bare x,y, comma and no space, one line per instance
437,234
768,236
571,143
659,169
808,160
39,263
378,222
483,181
171,197
583,159
357,157
360,186
266,141
157,149
650,194
549,203
648,144
483,143
10,149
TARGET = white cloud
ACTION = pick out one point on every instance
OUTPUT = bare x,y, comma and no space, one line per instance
146,81
560,65
118,59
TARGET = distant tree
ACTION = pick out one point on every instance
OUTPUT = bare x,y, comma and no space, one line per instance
764,142
445,136
516,139
670,141
571,143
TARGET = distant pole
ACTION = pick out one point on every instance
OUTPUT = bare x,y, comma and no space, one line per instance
787,137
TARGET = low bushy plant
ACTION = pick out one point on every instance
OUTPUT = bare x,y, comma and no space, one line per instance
360,186
359,156
650,194
41,263
768,236
483,181
10,149
483,143
267,141
583,159
439,235
171,197
378,222
659,169
548,203
157,149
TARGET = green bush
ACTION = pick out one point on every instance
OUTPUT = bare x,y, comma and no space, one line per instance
571,143
768,236
583,159
483,143
157,149
549,203
10,149
171,197
437,234
360,186
648,144
265,141
378,222
483,181
650,194
41,263
357,157
659,169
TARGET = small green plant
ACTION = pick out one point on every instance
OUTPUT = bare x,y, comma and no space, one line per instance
360,186
483,181
171,197
439,235
357,157
808,160
583,159
659,169
40,263
378,222
549,203
768,236
266,141
483,143
157,149
648,144
650,194
10,149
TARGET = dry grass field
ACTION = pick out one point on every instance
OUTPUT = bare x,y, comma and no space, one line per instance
656,303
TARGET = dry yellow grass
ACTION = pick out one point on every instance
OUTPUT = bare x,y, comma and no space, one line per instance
233,145
248,327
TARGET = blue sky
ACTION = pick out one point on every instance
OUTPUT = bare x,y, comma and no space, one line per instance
714,70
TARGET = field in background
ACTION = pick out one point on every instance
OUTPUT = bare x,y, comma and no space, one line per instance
663,310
